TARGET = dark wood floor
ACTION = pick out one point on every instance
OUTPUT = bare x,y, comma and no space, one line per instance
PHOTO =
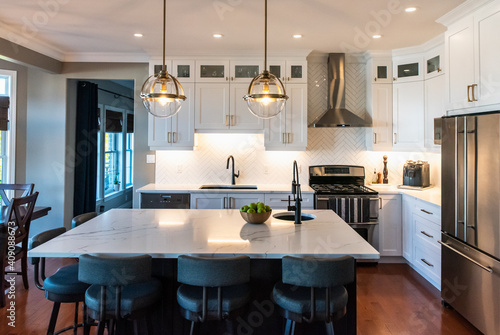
392,299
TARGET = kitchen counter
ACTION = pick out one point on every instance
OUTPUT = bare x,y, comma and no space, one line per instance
168,233
195,188
432,195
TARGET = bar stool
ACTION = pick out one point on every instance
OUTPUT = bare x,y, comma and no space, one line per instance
312,290
62,287
121,288
212,288
82,218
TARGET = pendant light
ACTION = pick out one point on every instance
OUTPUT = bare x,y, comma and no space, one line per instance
161,93
266,94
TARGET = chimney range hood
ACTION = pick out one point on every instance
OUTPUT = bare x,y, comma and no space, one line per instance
337,115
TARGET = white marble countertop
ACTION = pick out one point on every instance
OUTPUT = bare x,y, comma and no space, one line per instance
195,188
168,233
432,195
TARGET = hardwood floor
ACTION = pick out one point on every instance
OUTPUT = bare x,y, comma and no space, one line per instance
392,300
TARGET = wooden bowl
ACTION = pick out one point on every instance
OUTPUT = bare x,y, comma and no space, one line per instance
255,217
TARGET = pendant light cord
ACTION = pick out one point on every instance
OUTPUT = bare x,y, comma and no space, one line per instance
265,37
164,31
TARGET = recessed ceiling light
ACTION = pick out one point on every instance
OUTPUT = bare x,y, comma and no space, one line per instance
410,9
376,36
217,35
297,36
138,35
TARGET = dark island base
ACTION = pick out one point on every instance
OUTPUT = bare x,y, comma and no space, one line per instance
262,317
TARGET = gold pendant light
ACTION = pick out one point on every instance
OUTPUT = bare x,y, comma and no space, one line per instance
161,93
266,94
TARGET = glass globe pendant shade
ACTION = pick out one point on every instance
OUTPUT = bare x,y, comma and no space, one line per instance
162,95
266,96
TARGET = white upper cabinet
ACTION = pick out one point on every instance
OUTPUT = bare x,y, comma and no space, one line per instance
212,106
472,53
288,130
289,71
243,71
212,71
408,116
434,62
381,71
183,70
407,69
434,108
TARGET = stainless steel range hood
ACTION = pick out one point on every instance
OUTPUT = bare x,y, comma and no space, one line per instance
337,115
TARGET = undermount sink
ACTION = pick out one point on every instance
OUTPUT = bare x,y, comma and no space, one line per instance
290,216
228,187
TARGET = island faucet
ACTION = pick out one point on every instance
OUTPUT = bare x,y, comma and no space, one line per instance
233,175
297,194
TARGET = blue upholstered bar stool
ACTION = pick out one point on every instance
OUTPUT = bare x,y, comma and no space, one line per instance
312,289
82,218
62,287
212,288
121,288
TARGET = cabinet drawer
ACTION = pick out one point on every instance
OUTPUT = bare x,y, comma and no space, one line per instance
429,211
426,229
427,258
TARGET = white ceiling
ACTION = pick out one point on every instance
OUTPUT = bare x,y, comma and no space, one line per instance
101,30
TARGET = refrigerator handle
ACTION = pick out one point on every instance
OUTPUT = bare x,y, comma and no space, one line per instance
470,222
485,268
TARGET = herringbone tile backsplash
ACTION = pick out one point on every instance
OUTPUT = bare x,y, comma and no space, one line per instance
207,162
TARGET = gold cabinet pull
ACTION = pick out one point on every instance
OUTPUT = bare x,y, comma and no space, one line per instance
395,140
375,79
227,118
288,140
374,138
174,137
227,78
439,70
394,78
474,86
232,120
169,137
468,93
426,234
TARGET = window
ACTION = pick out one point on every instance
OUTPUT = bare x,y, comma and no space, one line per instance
115,150
7,137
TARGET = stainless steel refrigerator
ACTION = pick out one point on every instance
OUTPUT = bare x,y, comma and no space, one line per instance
470,219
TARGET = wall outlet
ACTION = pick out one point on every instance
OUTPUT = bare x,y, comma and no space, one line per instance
150,159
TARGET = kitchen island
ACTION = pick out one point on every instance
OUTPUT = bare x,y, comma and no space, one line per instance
167,233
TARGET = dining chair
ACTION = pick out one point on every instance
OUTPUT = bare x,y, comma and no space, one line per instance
4,188
121,288
312,289
82,218
61,287
212,288
15,245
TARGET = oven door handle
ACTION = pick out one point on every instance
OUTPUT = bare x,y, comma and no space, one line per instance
323,199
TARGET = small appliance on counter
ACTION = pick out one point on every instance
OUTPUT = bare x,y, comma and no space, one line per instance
416,175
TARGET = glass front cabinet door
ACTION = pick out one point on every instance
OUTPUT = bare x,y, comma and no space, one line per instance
245,71
382,71
212,71
408,69
183,70
434,62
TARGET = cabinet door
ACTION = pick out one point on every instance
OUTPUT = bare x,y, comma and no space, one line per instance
381,71
156,64
241,117
208,200
296,117
212,71
407,69
408,116
434,62
159,132
183,121
390,226
184,71
460,62
380,108
434,108
275,132
487,25
278,68
296,72
238,200
245,70
212,106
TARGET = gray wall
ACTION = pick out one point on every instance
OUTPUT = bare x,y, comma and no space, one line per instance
51,115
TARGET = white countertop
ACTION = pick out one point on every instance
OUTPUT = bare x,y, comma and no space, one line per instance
195,188
168,233
432,195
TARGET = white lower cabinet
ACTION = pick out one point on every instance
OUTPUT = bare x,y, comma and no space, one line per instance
422,231
280,200
389,225
218,200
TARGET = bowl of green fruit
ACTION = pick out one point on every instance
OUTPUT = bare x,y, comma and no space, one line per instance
255,212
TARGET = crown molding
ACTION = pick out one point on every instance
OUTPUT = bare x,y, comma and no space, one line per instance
106,57
461,11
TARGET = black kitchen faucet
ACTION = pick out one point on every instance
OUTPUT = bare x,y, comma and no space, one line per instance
297,194
233,175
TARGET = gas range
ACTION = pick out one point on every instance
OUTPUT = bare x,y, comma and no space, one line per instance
342,189
339,179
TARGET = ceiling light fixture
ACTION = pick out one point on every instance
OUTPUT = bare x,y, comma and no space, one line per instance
266,94
297,36
410,9
217,35
138,35
161,93
376,36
